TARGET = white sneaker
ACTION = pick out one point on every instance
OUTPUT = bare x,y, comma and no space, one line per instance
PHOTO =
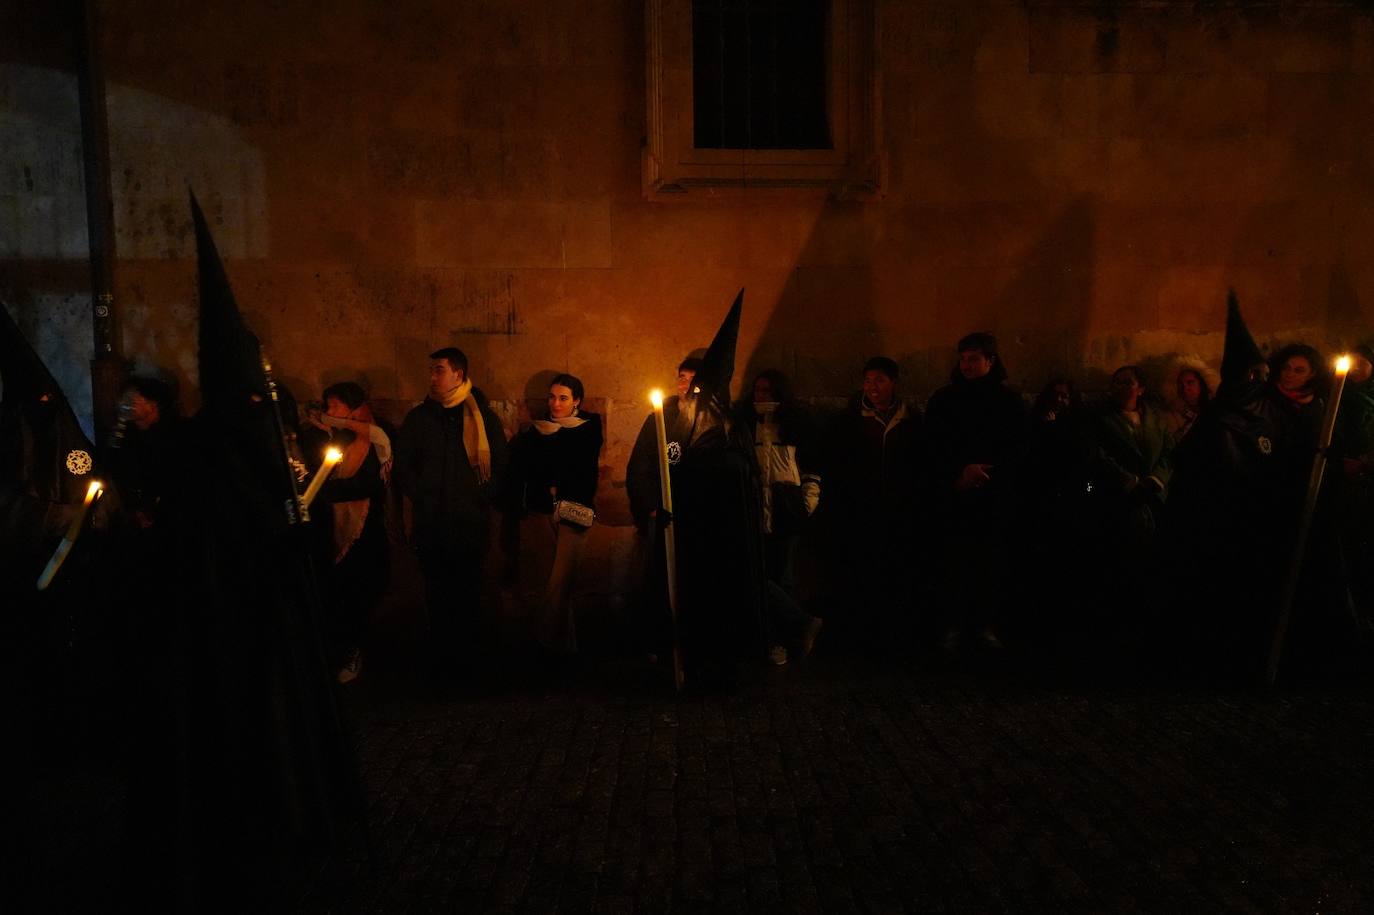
778,655
352,667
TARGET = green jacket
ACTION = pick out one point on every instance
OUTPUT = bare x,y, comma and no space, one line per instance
1122,454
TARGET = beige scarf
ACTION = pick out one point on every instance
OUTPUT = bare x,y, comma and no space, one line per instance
474,429
550,426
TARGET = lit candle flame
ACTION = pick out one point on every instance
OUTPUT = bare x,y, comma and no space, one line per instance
656,398
1343,365
59,556
331,458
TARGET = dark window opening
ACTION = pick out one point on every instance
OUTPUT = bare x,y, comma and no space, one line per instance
759,74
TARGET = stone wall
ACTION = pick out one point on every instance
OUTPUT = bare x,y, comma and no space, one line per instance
1085,180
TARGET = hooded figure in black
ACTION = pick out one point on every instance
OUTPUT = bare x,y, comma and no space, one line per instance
51,642
717,513
241,774
1238,487
46,463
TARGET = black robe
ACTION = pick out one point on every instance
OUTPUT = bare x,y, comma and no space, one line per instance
1240,478
718,520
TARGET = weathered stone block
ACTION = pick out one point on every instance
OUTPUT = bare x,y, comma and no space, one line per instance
472,233
951,172
996,105
954,37
1151,105
1319,104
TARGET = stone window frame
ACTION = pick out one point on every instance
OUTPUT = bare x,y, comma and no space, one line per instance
674,168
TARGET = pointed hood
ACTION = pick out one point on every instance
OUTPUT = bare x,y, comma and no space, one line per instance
230,355
54,458
703,420
1240,354
22,374
718,365
236,386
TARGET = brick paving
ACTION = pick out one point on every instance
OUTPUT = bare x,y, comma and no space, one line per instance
841,786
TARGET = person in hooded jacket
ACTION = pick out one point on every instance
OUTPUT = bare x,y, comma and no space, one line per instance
450,466
977,426
873,473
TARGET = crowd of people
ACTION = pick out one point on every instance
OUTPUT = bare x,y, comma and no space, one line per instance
1186,529
1112,527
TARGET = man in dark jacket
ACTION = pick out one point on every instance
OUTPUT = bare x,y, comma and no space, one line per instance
872,471
450,461
978,431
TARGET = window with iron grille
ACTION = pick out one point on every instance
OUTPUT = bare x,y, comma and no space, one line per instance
761,96
759,74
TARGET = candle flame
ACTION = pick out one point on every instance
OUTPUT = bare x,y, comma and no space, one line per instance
656,398
333,456
94,489
1343,365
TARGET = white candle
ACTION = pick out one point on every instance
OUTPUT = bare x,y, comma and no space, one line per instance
59,555
665,489
1334,405
331,458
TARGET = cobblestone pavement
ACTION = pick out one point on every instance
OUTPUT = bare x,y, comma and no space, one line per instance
837,786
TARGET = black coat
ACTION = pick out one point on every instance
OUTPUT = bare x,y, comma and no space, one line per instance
433,469
983,421
566,461
872,471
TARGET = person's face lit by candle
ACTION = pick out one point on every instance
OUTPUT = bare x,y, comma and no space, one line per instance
336,408
879,389
1295,374
562,404
1189,388
142,412
684,381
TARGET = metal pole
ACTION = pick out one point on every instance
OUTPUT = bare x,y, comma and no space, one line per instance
107,368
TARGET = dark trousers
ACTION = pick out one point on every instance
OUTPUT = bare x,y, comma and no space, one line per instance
453,599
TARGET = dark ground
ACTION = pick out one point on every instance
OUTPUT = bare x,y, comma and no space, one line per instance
834,784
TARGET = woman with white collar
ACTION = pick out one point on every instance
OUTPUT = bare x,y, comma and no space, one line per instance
554,469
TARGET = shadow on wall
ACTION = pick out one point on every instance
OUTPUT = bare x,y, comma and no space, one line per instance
825,313
1049,293
1046,308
